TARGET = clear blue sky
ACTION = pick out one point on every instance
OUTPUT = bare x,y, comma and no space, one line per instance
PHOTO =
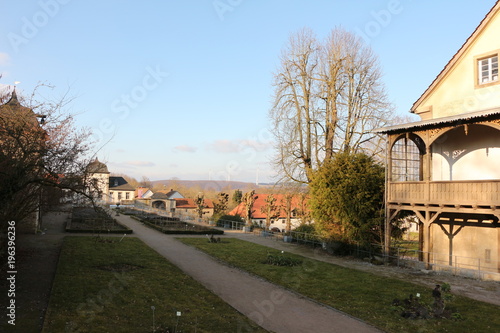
183,88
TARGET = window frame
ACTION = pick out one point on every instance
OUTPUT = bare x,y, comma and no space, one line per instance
478,72
407,159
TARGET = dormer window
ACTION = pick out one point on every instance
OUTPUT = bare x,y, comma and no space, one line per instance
488,70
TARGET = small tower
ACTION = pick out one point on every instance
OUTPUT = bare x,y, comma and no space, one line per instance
99,173
22,138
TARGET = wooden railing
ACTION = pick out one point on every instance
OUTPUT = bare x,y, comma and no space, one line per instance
480,192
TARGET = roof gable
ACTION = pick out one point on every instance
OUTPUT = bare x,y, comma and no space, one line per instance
162,194
119,183
185,203
460,70
143,192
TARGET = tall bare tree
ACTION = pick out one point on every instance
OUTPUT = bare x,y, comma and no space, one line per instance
293,114
328,97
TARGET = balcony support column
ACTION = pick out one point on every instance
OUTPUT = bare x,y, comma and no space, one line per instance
427,218
427,173
427,240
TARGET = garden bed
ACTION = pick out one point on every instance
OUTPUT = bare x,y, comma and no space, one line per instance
170,225
181,228
90,220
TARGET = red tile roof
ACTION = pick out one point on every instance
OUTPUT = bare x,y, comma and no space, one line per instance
186,203
260,202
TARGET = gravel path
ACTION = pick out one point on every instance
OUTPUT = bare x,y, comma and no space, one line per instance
269,305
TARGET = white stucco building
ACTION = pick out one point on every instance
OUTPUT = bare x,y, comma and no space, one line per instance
110,189
445,167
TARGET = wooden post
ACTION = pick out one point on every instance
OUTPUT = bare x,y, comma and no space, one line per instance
387,227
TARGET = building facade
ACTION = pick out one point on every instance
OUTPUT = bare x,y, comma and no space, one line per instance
120,191
445,167
292,208
109,189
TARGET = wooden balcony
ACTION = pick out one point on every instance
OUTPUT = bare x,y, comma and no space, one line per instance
473,194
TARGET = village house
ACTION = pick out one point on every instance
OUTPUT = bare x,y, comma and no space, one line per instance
185,207
120,191
445,167
278,222
112,190
165,200
143,193
143,196
99,174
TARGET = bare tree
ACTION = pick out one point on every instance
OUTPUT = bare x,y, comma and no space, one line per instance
146,182
302,210
328,98
220,204
249,199
270,209
40,148
200,205
294,112
286,204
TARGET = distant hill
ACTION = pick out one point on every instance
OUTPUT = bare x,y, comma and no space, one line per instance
215,185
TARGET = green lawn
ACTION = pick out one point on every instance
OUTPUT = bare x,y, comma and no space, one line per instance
111,287
357,293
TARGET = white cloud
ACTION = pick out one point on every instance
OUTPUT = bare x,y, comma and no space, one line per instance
224,146
237,146
185,148
257,145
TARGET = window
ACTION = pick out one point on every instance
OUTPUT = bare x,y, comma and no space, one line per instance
119,195
488,70
487,255
127,195
406,161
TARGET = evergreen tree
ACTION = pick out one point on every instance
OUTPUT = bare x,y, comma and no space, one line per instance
347,195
